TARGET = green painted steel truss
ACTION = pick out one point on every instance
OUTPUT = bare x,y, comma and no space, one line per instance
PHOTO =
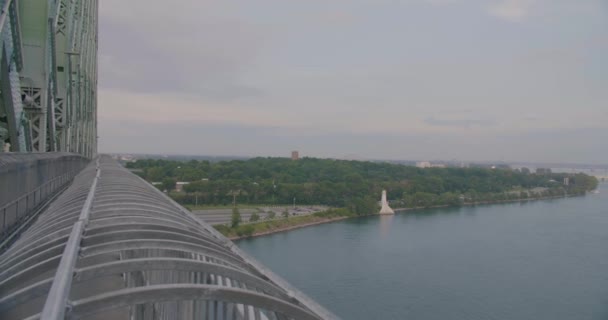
48,85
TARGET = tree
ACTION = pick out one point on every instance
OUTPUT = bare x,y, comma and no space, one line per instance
254,217
271,215
236,217
366,205
168,184
155,174
285,214
348,184
450,199
246,230
424,199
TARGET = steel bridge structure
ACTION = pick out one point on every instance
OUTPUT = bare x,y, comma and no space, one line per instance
112,246
48,76
82,237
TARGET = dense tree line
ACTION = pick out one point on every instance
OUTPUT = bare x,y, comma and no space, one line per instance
352,184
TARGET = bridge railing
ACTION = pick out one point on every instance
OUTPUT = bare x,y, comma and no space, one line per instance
29,180
112,246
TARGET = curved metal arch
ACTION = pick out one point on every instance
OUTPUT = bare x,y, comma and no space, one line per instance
41,248
25,295
8,284
32,260
34,232
41,288
158,244
175,264
39,228
139,219
143,234
143,244
145,213
177,292
130,197
50,231
149,226
130,189
137,206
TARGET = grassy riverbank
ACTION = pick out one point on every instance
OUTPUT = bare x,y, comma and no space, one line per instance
355,185
475,203
279,225
229,206
282,225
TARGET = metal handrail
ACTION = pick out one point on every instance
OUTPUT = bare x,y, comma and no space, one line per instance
164,261
37,191
56,302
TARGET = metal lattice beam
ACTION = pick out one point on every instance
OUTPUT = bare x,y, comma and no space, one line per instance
54,56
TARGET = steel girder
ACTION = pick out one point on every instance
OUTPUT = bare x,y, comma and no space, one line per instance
53,58
11,109
113,246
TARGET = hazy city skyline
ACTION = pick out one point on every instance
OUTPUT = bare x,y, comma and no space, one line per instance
511,80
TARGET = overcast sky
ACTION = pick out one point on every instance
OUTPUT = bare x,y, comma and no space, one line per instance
394,79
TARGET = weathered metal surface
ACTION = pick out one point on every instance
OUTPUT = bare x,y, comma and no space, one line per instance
48,75
114,243
55,305
28,179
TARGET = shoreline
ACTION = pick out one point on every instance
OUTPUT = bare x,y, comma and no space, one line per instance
297,226
468,204
329,220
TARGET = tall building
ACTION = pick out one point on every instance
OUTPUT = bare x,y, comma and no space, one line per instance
295,155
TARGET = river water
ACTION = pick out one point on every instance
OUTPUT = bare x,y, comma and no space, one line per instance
537,260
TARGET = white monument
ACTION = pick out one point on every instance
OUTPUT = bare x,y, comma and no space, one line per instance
385,208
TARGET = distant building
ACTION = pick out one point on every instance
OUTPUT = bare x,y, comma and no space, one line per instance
423,164
179,186
295,155
566,181
427,164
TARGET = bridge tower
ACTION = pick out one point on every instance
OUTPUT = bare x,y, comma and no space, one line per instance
48,76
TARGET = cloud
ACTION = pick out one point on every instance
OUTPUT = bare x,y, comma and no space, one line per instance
347,76
440,2
462,123
583,145
511,10
165,108
186,51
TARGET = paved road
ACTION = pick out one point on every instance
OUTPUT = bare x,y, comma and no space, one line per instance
223,216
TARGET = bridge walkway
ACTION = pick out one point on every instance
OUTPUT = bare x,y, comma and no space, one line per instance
113,246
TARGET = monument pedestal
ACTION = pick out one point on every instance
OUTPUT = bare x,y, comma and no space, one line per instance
385,209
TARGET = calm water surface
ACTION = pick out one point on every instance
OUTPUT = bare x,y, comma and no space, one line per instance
537,260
